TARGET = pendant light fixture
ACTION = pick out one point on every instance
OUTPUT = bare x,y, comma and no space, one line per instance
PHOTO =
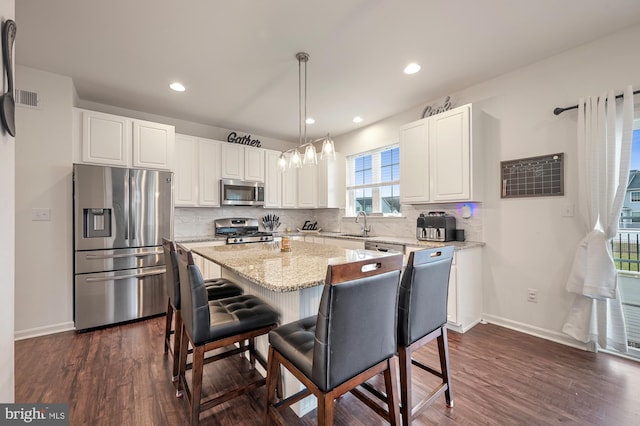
309,155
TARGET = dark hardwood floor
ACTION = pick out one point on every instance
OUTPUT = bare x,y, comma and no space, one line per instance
119,376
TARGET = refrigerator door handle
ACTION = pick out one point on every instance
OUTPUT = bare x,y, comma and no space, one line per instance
119,256
124,277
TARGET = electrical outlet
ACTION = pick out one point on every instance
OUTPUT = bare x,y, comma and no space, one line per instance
567,209
532,295
41,214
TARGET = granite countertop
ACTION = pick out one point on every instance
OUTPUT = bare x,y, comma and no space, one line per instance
264,264
407,241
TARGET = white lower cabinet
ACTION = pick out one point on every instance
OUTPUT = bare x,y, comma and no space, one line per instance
464,304
207,268
345,243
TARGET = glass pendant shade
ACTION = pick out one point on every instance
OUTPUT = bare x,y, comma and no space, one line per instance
282,162
295,161
328,150
310,155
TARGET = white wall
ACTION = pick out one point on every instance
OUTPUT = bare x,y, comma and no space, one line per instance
7,195
44,279
528,242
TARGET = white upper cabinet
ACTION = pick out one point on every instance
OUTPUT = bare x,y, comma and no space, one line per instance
331,183
121,141
272,179
290,188
253,164
197,172
186,179
414,162
209,171
242,162
440,158
106,139
308,187
153,145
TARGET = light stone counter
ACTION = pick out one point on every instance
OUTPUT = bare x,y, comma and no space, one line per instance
264,264
292,282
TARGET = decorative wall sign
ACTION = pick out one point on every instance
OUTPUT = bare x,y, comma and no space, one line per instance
233,137
532,177
429,110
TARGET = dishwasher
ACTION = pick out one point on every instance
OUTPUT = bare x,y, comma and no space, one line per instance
384,247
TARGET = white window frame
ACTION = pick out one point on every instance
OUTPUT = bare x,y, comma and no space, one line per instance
376,170
635,196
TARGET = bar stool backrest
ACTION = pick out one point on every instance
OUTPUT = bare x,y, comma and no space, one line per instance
172,286
356,323
193,296
423,293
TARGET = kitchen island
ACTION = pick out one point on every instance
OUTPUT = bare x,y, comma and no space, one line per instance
292,282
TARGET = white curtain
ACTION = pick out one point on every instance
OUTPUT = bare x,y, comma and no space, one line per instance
604,156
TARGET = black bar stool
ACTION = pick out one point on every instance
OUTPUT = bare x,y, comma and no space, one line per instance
217,288
209,325
352,339
422,317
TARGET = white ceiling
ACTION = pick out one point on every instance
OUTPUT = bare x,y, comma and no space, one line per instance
237,58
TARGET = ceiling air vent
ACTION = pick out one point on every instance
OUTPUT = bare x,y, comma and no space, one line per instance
27,98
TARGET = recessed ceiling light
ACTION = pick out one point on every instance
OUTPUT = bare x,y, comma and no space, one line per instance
412,68
310,120
358,119
177,87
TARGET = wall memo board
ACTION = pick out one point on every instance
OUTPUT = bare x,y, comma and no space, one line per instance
532,177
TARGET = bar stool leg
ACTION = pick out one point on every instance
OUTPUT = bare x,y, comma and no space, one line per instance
177,343
404,354
196,380
391,387
273,373
167,328
443,350
184,350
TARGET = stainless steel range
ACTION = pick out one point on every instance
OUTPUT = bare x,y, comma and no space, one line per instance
241,231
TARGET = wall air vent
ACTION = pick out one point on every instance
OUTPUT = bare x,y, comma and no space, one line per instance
27,98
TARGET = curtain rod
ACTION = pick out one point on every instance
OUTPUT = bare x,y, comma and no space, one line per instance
559,110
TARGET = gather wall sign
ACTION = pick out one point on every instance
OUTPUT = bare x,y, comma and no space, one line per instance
234,137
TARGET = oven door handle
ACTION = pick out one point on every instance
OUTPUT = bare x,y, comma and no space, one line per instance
124,277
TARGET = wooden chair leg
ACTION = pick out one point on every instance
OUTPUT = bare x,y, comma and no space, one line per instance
404,355
443,350
183,351
252,356
196,384
273,373
391,386
177,341
167,328
325,409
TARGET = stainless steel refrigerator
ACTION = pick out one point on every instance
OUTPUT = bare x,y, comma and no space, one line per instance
120,218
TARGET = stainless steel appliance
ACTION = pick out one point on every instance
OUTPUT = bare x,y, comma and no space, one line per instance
384,247
241,193
120,218
241,231
436,226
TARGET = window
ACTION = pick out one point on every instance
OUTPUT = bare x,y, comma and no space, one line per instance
635,196
373,184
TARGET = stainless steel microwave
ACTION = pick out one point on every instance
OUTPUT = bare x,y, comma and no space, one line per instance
241,193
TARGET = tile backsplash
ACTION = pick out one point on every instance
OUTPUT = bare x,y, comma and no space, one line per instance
198,221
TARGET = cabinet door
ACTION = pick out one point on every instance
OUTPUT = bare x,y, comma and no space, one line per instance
331,183
449,153
106,139
273,180
254,164
153,145
290,188
186,168
452,300
414,162
209,165
232,161
307,187
207,268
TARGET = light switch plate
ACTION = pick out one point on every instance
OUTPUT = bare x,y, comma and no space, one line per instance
42,214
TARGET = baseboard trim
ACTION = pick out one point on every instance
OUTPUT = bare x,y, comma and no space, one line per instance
43,331
553,336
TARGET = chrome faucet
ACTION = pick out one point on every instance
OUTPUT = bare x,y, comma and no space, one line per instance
364,228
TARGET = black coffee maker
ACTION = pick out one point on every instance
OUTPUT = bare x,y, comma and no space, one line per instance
436,226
